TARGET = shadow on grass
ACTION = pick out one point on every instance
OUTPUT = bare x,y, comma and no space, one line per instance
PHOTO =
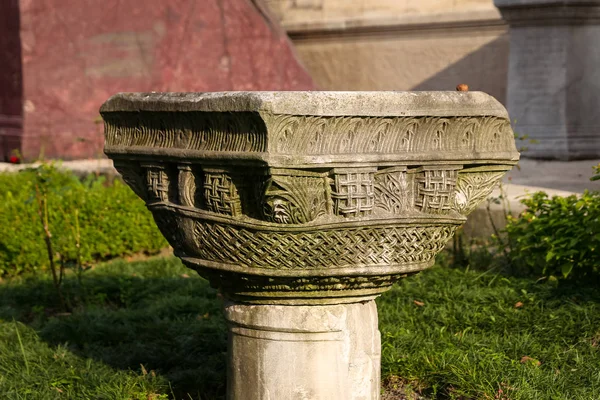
450,332
147,317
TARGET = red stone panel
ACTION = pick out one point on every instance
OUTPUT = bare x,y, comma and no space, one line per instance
76,53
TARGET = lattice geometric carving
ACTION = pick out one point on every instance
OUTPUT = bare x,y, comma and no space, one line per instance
157,183
220,192
353,194
319,249
435,189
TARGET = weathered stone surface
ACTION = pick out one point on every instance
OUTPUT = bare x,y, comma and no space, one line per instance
554,75
75,53
302,207
322,104
329,352
306,15
309,197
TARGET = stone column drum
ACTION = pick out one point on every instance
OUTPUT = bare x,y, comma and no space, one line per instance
302,208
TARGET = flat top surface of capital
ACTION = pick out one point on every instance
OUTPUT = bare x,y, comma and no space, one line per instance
386,103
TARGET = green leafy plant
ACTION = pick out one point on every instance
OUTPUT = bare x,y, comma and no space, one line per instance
522,142
88,220
558,236
596,176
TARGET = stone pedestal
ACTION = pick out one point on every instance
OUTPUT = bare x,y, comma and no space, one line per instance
329,352
554,75
302,208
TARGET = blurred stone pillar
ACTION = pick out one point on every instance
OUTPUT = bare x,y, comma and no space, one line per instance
554,75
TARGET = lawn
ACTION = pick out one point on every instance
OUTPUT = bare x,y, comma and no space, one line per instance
153,330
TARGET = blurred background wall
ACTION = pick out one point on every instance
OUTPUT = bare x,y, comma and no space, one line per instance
398,44
61,59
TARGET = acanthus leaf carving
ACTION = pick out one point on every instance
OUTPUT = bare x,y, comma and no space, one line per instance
393,190
296,197
293,134
473,188
132,175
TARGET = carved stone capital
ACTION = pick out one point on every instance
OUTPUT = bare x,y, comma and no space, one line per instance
309,197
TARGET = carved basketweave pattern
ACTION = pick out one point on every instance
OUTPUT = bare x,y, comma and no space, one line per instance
220,193
157,183
435,190
354,194
319,249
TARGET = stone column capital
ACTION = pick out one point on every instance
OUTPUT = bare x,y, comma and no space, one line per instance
309,197
302,207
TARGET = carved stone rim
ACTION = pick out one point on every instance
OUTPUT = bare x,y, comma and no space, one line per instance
354,270
318,225
318,103
309,161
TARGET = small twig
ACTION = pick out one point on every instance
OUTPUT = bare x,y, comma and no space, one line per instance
61,269
43,213
78,246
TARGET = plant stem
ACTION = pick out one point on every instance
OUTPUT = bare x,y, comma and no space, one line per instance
21,346
43,213
78,246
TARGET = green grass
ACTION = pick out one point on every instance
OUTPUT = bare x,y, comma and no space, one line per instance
148,329
138,314
471,333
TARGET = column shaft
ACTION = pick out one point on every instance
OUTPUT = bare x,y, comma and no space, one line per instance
328,352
